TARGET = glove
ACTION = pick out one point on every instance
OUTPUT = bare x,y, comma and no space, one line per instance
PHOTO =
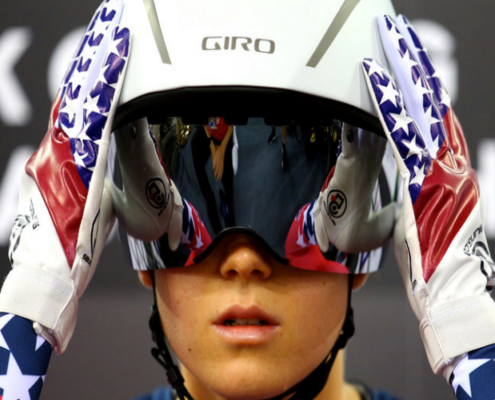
347,217
439,238
64,218
149,204
342,212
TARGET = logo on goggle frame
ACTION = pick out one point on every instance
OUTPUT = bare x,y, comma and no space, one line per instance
156,194
336,204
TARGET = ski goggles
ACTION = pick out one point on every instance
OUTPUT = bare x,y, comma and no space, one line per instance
255,179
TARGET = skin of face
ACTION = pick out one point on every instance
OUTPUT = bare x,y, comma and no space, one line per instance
306,311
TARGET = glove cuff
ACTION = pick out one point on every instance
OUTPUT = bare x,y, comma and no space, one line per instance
42,297
445,338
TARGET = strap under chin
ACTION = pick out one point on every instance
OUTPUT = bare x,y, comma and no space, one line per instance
314,383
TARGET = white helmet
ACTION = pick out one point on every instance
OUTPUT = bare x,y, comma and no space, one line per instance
272,59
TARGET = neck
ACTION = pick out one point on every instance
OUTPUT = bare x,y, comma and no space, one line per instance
335,389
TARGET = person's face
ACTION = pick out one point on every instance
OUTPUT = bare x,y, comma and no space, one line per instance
297,317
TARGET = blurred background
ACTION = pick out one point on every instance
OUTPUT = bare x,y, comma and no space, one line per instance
109,353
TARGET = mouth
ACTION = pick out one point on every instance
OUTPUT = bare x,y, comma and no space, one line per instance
245,316
249,326
245,322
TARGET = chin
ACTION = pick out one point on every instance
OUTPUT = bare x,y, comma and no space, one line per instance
255,383
246,391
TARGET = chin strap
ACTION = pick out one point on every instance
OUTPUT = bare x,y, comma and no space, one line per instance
314,383
307,389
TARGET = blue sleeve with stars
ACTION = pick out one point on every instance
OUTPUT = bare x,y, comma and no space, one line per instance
474,376
24,358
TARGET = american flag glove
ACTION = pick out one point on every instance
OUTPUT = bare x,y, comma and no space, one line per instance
63,218
439,237
343,214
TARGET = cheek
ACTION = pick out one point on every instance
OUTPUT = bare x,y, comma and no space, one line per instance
318,313
180,303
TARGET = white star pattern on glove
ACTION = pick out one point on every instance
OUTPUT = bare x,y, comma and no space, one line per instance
113,47
87,54
102,78
409,60
421,89
420,176
15,384
92,105
402,121
414,149
79,159
430,117
100,26
389,93
396,36
463,371
4,321
375,68
69,108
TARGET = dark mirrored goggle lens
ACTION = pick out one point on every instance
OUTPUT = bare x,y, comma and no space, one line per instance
255,177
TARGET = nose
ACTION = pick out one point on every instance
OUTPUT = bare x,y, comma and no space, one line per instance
244,260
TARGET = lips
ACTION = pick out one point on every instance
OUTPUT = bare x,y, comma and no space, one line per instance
241,326
240,316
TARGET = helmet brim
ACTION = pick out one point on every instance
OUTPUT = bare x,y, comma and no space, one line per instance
239,103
